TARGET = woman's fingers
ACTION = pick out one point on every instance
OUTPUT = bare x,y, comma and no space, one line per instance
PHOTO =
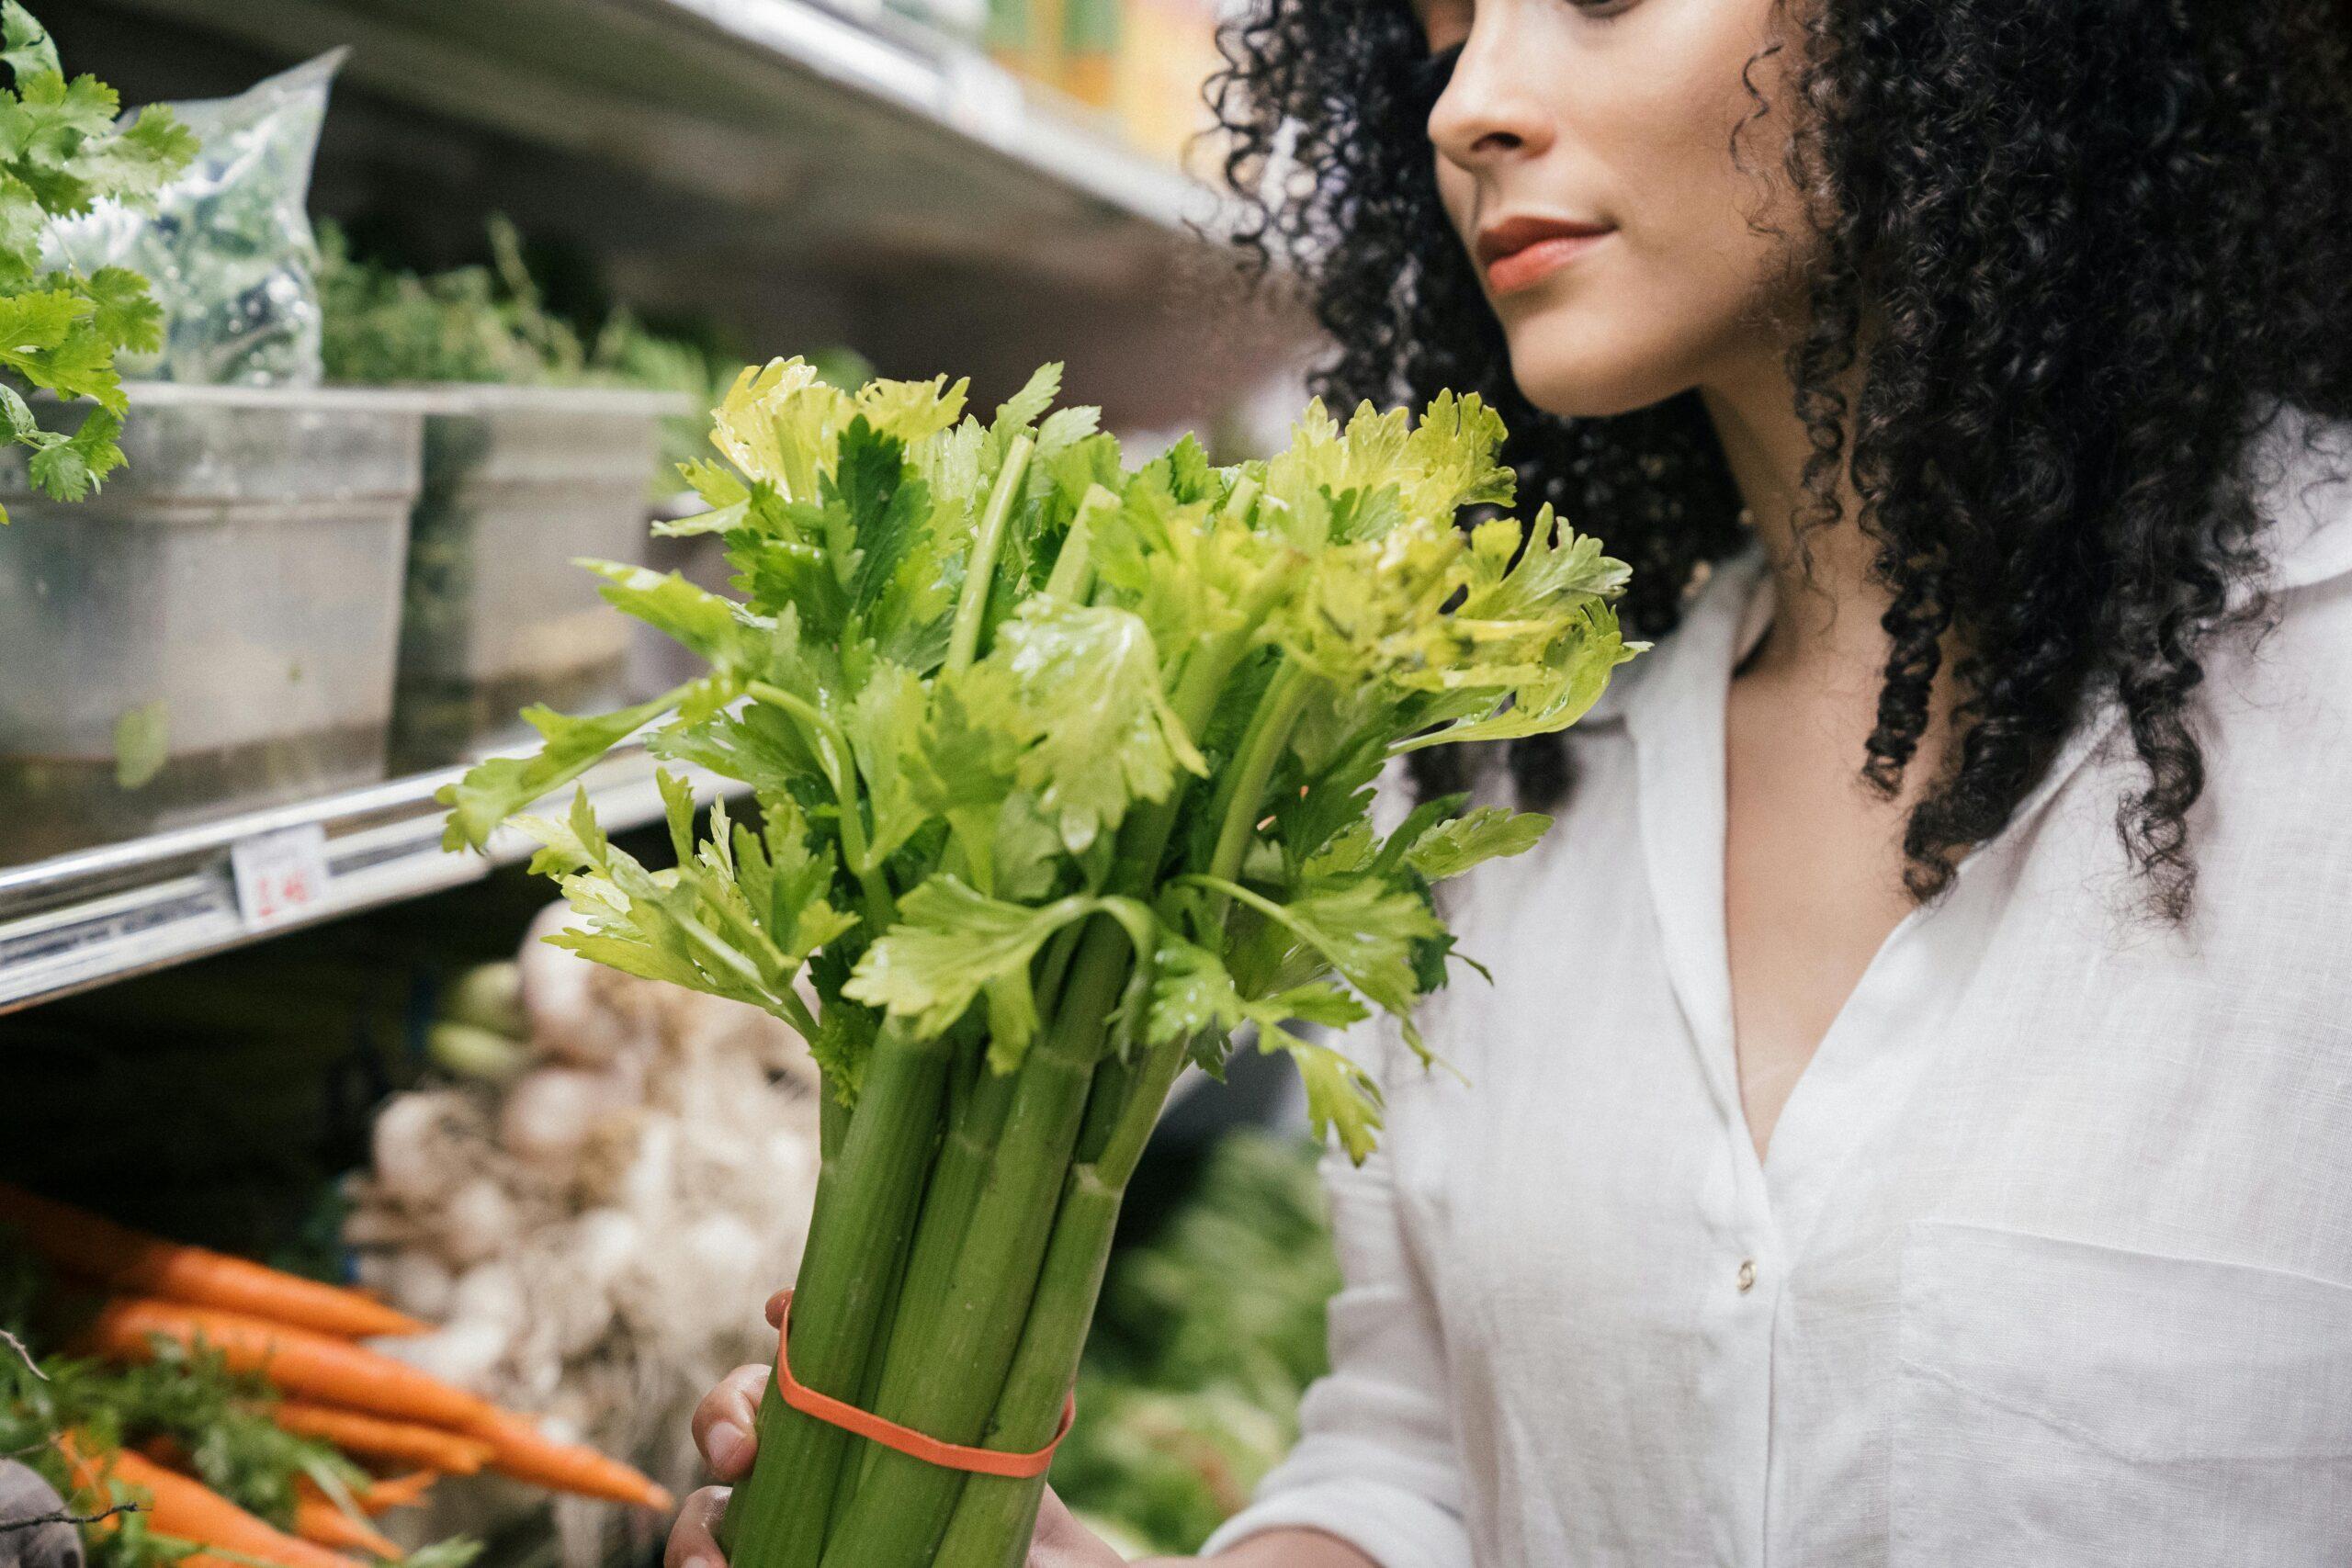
723,1422
1062,1542
693,1540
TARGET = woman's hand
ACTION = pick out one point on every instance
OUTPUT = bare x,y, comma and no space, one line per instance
723,1425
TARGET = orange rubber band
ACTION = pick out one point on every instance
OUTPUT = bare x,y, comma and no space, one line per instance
906,1440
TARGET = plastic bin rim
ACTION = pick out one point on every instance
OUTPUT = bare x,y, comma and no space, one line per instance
478,397
341,399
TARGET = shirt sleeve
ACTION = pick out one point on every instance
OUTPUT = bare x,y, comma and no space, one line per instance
1376,1464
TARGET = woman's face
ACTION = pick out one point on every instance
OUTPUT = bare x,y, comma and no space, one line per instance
1585,154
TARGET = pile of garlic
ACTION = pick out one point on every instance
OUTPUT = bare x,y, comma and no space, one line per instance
596,1234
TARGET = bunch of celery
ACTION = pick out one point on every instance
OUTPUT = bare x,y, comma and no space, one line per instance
1063,772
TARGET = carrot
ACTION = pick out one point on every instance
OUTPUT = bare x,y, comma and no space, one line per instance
77,1242
186,1509
319,1520
379,1496
521,1451
299,1361
372,1436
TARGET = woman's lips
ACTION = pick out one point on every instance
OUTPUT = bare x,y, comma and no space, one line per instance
1534,263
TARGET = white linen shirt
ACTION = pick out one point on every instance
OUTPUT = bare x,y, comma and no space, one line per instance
2051,1262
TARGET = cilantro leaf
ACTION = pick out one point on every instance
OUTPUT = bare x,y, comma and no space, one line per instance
24,48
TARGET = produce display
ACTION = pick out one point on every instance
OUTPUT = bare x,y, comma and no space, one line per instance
491,325
226,244
1054,772
64,154
208,1410
591,1217
1063,770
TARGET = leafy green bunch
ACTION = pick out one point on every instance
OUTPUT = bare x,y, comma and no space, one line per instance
217,1419
988,685
382,326
60,151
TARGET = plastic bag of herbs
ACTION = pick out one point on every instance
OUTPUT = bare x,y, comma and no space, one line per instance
1063,770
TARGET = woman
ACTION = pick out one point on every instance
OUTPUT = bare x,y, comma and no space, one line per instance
1914,1122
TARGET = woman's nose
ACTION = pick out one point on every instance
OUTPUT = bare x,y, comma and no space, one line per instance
1491,109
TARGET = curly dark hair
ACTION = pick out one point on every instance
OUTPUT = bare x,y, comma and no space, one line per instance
2080,254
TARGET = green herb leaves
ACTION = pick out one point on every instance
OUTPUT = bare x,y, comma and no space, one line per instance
989,687
60,151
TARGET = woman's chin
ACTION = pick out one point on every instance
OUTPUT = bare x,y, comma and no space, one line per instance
1571,380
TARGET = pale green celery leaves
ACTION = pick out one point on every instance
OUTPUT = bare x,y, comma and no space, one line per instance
759,745
735,643
1370,610
1088,700
735,918
1451,848
959,768
1340,1096
952,943
493,791
726,635
722,490
1549,699
883,723
1186,566
1017,413
1525,649
1557,567
24,46
1194,996
1363,926
982,801
1387,469
862,565
779,423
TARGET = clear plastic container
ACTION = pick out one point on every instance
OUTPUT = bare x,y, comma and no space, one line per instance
215,629
519,483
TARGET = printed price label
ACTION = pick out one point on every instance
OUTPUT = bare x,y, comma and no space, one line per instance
281,875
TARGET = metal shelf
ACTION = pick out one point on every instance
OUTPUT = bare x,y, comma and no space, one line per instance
82,920
859,132
770,165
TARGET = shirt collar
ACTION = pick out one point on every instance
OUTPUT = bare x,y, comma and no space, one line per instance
1730,603
2302,472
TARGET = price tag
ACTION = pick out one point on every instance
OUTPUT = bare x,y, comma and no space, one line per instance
280,876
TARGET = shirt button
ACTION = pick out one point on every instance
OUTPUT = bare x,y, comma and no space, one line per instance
1747,1275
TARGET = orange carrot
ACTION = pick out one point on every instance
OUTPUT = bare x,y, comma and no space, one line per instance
77,1242
319,1520
372,1436
379,1496
186,1509
397,1491
316,1366
521,1451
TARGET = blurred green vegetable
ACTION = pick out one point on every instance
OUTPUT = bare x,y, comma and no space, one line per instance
1207,1334
382,326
